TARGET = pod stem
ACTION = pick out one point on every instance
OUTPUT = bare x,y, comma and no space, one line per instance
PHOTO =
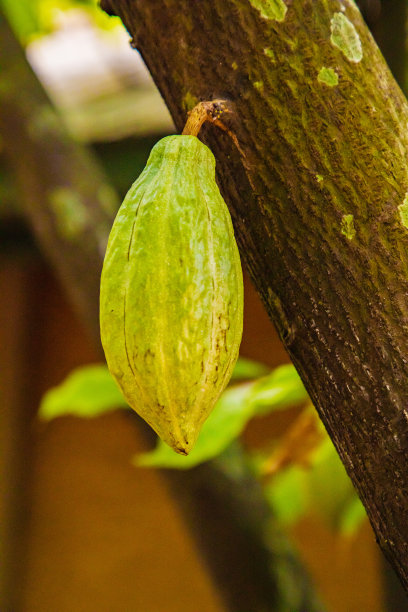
206,111
211,111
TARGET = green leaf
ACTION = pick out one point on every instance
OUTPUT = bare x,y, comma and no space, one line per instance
247,369
33,18
352,517
278,391
225,423
323,488
329,487
332,494
287,495
86,392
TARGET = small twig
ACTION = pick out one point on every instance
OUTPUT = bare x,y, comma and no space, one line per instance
206,111
212,111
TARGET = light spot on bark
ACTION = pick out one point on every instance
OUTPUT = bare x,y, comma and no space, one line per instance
347,227
234,65
258,85
70,212
293,87
328,76
285,329
269,53
189,101
319,178
270,9
344,36
403,211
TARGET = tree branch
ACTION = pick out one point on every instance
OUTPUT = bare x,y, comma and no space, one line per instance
319,203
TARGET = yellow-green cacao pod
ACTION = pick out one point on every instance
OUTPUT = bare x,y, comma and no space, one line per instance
171,292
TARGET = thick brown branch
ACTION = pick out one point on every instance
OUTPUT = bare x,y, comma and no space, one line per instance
324,227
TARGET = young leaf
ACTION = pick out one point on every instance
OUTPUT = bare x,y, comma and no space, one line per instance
86,392
281,389
322,488
329,488
353,514
287,495
247,369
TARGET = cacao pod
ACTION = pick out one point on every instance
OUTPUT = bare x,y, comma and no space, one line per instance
171,301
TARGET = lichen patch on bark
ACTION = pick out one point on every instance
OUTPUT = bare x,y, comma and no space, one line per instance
347,227
403,211
259,85
328,76
269,53
274,9
189,101
344,36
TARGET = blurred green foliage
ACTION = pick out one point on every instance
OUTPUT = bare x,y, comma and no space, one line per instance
279,390
32,18
319,487
87,392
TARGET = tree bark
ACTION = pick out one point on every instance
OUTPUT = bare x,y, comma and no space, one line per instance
319,198
70,206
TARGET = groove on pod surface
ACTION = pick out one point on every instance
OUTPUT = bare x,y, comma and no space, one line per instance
171,303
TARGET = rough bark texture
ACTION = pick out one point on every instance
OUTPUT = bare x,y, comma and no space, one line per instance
317,200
